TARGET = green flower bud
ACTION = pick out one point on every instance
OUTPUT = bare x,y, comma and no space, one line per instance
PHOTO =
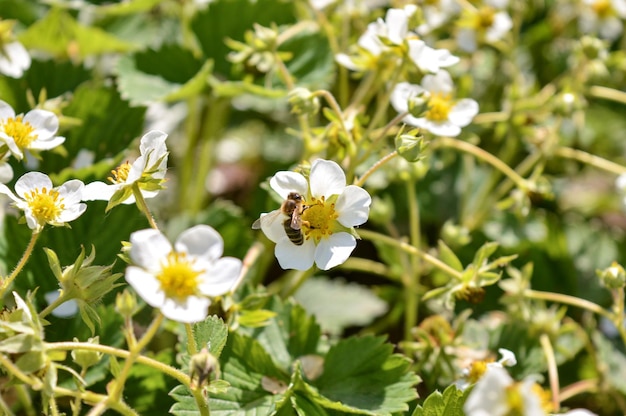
126,303
303,101
613,277
418,104
87,358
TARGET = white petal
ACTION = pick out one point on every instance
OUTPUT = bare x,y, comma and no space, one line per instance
71,191
397,24
401,94
146,285
441,128
31,181
201,241
14,60
291,256
345,61
353,206
466,39
326,179
285,182
508,357
463,112
153,142
611,28
579,412
47,144
6,172
6,111
19,302
6,191
45,123
149,248
99,191
194,309
439,82
488,396
71,212
334,250
501,25
221,278
272,225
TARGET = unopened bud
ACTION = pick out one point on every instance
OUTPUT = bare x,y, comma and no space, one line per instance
418,103
303,101
612,277
126,304
201,366
87,358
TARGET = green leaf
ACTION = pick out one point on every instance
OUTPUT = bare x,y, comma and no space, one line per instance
255,318
448,257
19,343
613,362
364,375
59,34
450,403
337,304
211,333
185,402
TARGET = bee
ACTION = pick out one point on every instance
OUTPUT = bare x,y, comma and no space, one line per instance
292,207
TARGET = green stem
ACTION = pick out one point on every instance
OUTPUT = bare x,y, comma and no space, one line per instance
375,167
411,284
14,370
118,387
105,349
191,340
593,160
484,156
143,207
580,387
553,372
58,301
20,265
367,266
607,93
489,118
374,236
90,397
569,300
294,283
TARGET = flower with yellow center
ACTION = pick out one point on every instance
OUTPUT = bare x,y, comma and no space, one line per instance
488,24
34,131
180,279
331,211
602,17
148,172
477,369
444,116
44,204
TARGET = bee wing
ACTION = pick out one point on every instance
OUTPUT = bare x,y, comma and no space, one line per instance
296,221
266,220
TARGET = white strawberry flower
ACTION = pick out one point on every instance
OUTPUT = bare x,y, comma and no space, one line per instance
488,23
179,279
428,59
43,203
602,17
14,59
34,131
147,171
332,210
444,116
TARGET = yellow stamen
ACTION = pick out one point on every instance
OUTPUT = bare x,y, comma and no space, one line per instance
178,278
514,400
477,369
544,398
439,106
120,174
318,219
20,131
45,204
486,17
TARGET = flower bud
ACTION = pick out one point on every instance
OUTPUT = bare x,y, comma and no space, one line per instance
612,277
87,358
418,104
201,366
126,303
303,101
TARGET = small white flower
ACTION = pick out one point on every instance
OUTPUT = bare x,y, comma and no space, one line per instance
477,369
497,394
19,302
179,279
484,24
603,17
444,116
6,171
34,131
44,204
148,171
332,210
14,60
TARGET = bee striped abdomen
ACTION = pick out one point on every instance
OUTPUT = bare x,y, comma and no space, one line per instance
295,236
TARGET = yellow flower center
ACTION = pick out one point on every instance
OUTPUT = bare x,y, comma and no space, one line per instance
514,400
45,204
20,131
602,8
439,106
476,371
544,398
486,16
318,219
178,278
120,174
